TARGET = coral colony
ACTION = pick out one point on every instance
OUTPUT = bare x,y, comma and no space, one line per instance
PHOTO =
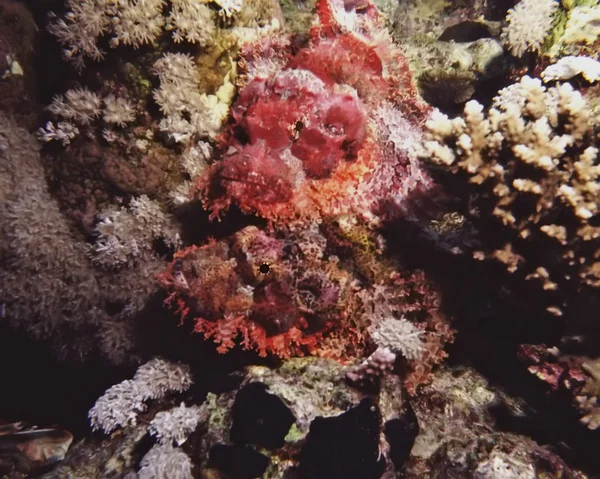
322,143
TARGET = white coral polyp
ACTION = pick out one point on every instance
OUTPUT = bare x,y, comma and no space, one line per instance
398,335
528,23
130,22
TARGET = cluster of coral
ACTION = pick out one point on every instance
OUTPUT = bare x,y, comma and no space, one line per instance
296,190
312,141
532,160
527,168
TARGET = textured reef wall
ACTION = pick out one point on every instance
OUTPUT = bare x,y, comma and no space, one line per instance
305,208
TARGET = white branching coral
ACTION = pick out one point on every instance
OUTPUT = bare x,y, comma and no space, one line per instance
188,112
126,235
175,425
534,155
528,24
127,22
398,335
121,403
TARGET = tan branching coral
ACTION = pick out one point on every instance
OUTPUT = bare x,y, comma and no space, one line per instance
588,399
534,159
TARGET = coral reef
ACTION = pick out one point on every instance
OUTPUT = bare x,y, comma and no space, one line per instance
277,421
283,186
284,414
497,454
457,422
528,166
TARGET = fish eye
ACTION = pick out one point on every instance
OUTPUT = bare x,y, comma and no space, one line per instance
264,268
